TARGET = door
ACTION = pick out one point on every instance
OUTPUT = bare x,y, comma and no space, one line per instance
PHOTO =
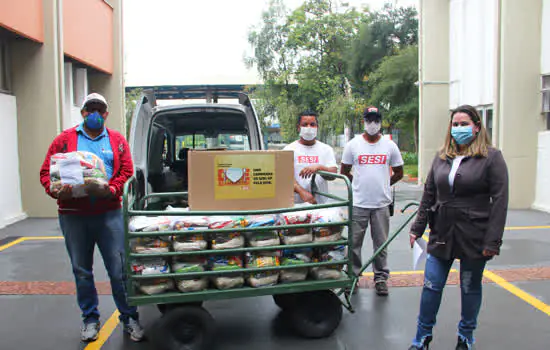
139,133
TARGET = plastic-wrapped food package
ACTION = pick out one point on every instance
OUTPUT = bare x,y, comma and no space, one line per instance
150,245
296,235
190,242
329,233
228,240
263,259
227,263
188,265
293,257
82,170
152,266
262,238
329,271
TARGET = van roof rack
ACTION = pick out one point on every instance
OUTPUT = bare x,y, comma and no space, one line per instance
211,93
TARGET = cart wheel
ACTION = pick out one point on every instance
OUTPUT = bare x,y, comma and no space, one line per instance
184,328
164,308
285,301
316,314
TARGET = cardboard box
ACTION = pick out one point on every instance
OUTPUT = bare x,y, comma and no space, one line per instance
241,180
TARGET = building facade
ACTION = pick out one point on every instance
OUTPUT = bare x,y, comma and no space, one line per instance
52,54
494,55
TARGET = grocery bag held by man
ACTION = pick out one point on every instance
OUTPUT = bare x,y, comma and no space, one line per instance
91,164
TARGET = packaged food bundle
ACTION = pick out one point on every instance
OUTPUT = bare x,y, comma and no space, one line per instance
329,271
262,238
296,235
82,170
190,242
150,245
262,259
189,265
152,266
329,233
227,263
228,240
293,257
149,223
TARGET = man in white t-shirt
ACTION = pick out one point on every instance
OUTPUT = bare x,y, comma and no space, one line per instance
310,155
373,158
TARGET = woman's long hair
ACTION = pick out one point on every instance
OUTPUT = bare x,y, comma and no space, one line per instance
478,148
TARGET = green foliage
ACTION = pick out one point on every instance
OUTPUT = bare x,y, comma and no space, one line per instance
410,158
319,57
130,103
411,170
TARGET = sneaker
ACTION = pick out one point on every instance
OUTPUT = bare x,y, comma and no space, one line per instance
89,332
134,329
424,346
381,288
462,344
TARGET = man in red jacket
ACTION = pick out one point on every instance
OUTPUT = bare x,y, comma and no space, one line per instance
97,218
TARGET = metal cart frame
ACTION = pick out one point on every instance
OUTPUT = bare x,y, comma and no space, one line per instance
342,288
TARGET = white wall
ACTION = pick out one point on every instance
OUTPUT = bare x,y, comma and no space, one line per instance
472,52
542,197
11,209
545,60
76,88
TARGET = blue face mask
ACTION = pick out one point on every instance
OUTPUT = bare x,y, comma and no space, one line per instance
94,121
462,134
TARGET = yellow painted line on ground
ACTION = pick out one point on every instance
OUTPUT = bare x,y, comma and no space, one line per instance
514,290
105,332
43,238
517,228
12,243
518,292
397,273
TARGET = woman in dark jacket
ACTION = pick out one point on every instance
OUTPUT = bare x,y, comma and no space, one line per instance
465,202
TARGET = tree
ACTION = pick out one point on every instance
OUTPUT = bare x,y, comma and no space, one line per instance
130,102
387,31
393,87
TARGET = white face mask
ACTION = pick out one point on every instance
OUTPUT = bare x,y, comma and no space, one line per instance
308,134
372,128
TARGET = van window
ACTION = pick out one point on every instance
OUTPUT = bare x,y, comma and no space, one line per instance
236,142
230,141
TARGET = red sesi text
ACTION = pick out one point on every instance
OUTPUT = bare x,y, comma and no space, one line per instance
372,159
308,159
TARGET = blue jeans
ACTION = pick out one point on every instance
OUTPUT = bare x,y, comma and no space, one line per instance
435,278
82,233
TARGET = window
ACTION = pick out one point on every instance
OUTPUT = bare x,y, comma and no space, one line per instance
230,141
4,66
235,142
191,141
489,122
545,94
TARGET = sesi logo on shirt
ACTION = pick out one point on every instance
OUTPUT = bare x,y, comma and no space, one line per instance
367,159
308,159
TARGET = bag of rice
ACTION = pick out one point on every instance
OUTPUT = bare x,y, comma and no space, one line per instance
262,238
185,243
227,263
152,266
227,240
262,259
329,233
329,271
293,257
189,265
296,235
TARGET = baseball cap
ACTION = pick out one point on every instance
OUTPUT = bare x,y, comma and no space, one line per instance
372,111
94,97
